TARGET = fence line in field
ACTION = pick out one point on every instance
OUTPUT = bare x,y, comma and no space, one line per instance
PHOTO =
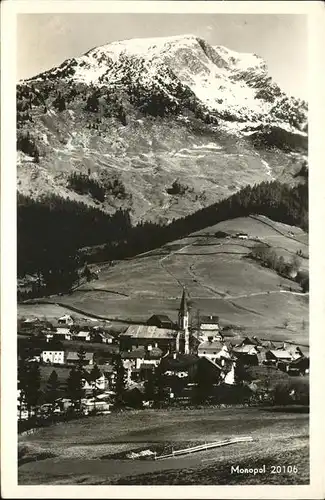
205,446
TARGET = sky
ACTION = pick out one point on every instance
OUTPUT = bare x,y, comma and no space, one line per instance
46,40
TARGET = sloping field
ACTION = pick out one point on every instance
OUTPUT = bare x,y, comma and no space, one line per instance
219,277
43,311
79,451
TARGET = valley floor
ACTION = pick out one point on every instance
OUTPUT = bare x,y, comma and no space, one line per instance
78,452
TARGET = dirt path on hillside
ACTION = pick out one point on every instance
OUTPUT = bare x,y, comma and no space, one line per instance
168,271
105,290
277,230
207,287
255,294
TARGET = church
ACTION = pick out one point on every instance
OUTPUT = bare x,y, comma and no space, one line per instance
175,339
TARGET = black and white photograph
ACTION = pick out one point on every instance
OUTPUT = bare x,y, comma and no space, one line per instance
162,256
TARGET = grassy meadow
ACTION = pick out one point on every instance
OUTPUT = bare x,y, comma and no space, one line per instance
79,452
219,277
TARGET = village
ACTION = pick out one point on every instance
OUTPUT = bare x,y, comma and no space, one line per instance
199,361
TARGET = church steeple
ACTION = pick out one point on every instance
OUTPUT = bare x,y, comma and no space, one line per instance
183,310
183,319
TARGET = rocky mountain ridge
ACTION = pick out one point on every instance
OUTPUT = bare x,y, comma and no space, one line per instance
163,126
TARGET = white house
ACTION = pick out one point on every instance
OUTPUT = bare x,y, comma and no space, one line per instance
66,320
100,384
95,404
53,357
213,350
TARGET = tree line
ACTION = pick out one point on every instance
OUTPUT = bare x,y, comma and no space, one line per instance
277,201
269,258
51,230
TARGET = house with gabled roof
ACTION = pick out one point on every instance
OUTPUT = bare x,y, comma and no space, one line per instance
246,354
268,345
295,351
83,335
161,321
66,319
73,358
253,341
60,331
275,356
214,350
101,337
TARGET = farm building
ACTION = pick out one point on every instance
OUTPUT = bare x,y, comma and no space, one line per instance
161,321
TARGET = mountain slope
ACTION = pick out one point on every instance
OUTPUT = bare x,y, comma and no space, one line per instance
141,114
209,263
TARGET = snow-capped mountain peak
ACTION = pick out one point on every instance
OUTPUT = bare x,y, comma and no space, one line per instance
235,86
165,108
